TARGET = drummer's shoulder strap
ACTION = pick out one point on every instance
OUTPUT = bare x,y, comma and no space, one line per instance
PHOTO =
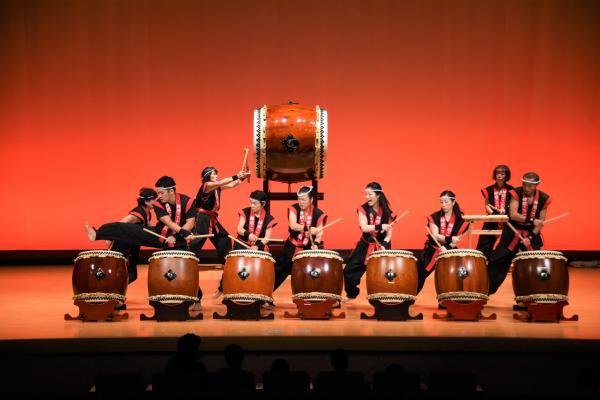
140,213
318,217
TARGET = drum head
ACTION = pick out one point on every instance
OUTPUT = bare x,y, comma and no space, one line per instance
173,254
539,254
250,253
461,253
318,253
99,253
392,253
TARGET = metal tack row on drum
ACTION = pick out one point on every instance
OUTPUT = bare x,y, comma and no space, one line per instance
540,283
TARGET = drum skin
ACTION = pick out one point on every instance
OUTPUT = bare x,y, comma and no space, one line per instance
403,278
162,266
249,272
540,272
461,270
101,271
317,271
290,142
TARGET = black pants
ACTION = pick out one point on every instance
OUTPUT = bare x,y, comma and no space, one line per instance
132,253
283,265
355,269
133,235
501,258
485,244
422,263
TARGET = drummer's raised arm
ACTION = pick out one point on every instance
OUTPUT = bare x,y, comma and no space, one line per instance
364,224
294,225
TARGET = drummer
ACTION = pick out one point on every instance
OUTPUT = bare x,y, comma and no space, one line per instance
305,220
254,227
448,227
374,217
208,202
496,201
527,212
139,215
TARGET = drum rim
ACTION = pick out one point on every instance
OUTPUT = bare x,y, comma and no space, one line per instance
99,254
325,254
260,142
466,252
401,253
321,137
533,254
245,252
171,254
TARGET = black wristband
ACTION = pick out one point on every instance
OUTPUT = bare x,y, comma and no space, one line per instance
378,227
318,244
183,233
260,245
306,228
448,240
386,245
234,178
246,235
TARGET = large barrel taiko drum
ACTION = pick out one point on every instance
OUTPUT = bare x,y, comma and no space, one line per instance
290,142
317,275
248,275
540,276
100,276
461,275
173,276
392,276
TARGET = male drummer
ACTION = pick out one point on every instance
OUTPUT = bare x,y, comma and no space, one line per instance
527,212
306,223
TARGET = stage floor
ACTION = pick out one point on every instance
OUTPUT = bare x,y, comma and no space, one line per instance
35,299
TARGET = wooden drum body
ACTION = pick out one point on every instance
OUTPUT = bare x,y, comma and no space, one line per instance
100,276
290,142
248,275
541,276
461,275
173,276
317,275
392,276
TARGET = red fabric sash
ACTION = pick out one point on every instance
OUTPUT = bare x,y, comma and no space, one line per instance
534,206
304,219
177,220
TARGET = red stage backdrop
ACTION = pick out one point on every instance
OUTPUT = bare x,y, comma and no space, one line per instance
99,98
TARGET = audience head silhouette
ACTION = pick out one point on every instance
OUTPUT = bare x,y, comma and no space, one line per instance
189,345
234,355
339,360
280,365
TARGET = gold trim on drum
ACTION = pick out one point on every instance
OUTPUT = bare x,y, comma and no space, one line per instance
461,253
539,254
260,141
392,253
542,298
172,298
173,254
99,297
250,253
247,297
318,253
99,253
462,296
317,296
391,297
321,142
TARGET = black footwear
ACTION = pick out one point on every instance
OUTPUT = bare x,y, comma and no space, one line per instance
121,307
442,307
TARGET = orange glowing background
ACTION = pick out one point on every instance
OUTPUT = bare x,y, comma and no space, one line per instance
98,98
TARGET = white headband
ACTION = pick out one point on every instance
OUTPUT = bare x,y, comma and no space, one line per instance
208,172
165,188
302,194
374,190
530,181
450,197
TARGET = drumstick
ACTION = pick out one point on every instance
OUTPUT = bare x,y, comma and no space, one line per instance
245,163
515,231
398,218
239,241
555,218
154,234
433,237
271,239
329,224
193,237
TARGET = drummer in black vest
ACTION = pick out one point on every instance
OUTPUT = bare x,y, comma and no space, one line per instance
527,212
374,218
497,201
448,227
208,203
141,216
305,220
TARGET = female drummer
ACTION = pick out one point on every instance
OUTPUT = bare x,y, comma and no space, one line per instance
254,223
139,215
208,203
448,227
374,217
496,201
305,233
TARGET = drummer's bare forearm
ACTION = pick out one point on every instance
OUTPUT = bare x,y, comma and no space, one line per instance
170,224
189,224
240,228
364,225
210,186
129,219
514,215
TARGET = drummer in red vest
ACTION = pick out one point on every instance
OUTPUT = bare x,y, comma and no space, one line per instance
305,220
447,226
374,218
527,212
496,201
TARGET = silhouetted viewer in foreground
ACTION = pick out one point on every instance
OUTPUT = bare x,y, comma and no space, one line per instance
186,359
233,379
342,381
281,383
